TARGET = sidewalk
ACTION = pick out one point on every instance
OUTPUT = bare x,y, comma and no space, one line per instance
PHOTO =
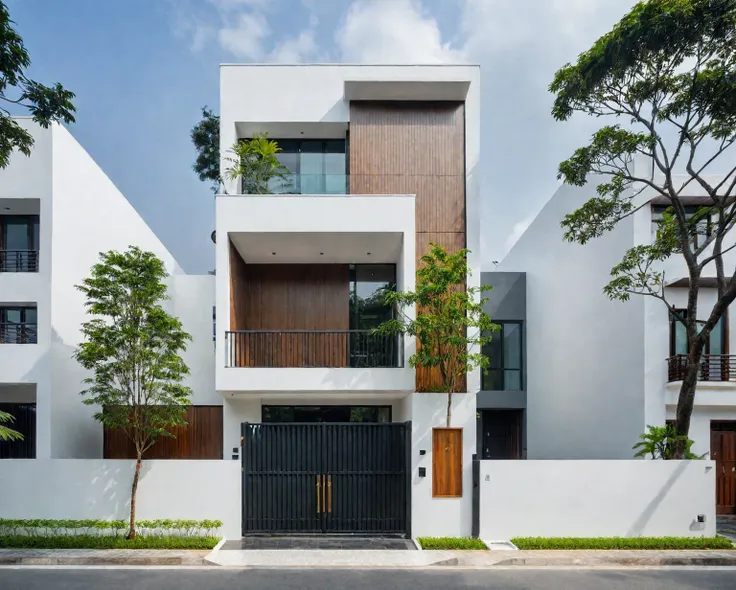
100,557
474,559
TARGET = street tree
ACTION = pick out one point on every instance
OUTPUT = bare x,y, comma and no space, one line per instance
46,104
132,348
205,136
450,325
665,78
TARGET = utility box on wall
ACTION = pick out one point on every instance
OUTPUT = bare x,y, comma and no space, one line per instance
447,462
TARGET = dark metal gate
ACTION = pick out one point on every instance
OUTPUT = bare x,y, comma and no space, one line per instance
327,478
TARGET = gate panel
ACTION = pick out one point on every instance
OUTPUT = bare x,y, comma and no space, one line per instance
326,477
365,468
281,467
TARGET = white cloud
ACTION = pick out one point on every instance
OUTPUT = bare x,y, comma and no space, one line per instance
245,35
295,49
393,31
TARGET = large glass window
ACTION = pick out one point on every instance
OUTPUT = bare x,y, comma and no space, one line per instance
505,354
309,414
368,286
716,344
316,166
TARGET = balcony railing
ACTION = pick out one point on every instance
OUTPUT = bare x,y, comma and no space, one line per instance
11,333
18,260
713,367
356,349
335,184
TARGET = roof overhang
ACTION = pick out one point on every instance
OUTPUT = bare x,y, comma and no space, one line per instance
684,283
430,90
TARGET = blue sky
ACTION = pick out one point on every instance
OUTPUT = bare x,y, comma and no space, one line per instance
142,69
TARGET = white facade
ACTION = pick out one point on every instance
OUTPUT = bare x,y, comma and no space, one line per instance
81,214
597,369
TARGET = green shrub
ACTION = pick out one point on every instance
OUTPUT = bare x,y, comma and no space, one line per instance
39,527
451,543
105,542
622,543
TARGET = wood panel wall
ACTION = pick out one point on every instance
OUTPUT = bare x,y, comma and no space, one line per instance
447,462
199,438
280,297
414,148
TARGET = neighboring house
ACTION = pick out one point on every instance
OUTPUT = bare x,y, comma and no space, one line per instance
600,371
58,211
382,161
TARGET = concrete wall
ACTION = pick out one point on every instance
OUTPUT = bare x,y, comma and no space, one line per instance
596,499
97,489
585,354
450,517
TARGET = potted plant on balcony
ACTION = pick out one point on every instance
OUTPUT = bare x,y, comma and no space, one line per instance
255,163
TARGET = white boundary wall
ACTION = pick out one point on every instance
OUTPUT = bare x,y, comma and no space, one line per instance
100,489
596,499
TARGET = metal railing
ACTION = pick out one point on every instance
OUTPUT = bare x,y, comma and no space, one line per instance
18,260
313,348
713,367
11,333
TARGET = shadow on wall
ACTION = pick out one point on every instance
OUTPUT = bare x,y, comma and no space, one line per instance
640,524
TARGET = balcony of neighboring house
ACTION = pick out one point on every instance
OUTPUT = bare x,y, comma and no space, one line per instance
19,351
716,369
19,243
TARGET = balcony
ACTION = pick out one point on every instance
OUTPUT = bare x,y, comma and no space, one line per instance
332,361
13,333
353,349
309,184
713,368
18,260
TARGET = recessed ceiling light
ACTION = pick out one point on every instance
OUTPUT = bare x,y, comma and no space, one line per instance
321,253
273,253
7,208
368,253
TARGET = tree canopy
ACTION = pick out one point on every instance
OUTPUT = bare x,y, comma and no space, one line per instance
46,104
665,76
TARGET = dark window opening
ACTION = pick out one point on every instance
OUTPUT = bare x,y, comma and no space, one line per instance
19,241
18,325
505,353
24,422
369,284
308,414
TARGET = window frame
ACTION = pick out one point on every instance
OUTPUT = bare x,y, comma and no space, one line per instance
486,381
706,350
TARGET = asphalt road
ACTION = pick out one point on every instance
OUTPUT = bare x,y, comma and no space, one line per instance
26,578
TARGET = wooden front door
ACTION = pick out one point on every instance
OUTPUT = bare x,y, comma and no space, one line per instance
723,452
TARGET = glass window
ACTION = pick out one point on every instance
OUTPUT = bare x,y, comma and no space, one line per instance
18,325
316,166
505,352
311,414
716,344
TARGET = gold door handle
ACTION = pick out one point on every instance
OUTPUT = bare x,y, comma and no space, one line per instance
319,483
324,485
329,493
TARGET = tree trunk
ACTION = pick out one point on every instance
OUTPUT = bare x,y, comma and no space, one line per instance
133,491
685,401
449,408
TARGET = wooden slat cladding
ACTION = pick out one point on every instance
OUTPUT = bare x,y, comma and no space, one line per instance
414,148
200,438
296,297
447,462
292,297
237,288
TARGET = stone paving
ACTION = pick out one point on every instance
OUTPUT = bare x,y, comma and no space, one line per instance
726,526
473,559
319,543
